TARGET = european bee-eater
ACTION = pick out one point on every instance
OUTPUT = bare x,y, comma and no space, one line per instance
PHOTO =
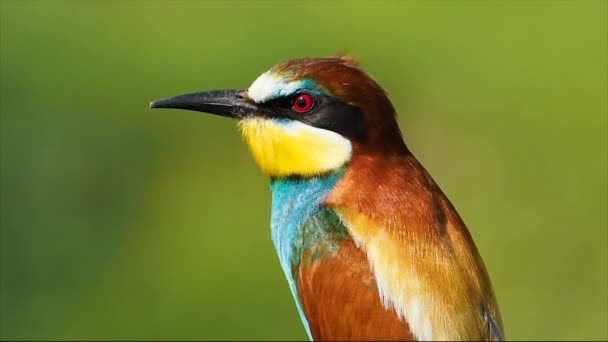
371,247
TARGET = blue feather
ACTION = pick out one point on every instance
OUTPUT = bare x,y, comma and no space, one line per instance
294,201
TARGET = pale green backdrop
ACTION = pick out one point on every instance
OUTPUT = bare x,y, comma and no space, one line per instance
121,222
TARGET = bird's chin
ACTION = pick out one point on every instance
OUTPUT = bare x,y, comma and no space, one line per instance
287,147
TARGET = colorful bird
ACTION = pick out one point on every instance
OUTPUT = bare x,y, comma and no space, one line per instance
371,247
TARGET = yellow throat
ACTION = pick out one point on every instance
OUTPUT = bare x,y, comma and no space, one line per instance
285,148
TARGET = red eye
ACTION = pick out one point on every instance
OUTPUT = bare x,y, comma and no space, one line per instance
302,103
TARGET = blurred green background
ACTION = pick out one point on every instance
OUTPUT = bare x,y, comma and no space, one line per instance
120,222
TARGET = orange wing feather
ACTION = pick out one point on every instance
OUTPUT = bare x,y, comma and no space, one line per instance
423,257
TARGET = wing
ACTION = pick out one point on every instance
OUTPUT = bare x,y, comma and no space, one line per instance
423,258
336,286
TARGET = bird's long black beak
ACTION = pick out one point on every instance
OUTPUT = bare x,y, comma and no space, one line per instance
230,103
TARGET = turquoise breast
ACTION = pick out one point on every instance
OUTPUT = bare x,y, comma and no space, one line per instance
297,222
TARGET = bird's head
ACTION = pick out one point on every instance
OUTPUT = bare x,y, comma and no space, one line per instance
306,117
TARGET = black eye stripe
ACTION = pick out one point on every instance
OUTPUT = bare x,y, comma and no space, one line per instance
278,102
326,113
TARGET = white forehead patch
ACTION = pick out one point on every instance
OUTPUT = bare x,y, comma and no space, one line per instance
269,86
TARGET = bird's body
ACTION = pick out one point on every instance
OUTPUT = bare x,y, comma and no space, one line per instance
371,247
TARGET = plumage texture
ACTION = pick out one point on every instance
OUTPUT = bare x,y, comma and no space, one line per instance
337,287
371,247
294,202
426,265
